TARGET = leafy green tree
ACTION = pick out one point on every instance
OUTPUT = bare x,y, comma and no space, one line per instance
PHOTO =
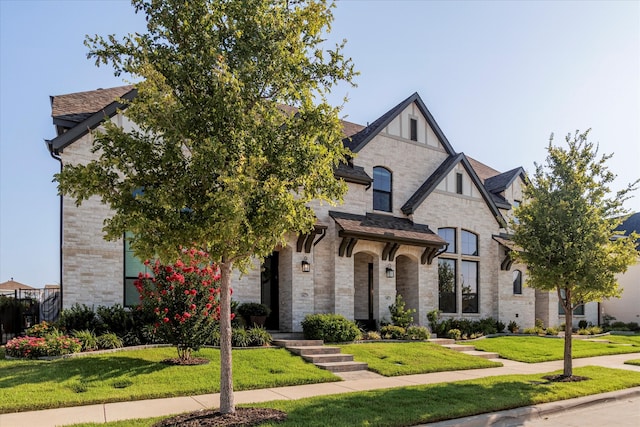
566,229
235,135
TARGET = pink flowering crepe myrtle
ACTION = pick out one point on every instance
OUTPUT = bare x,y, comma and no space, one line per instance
184,298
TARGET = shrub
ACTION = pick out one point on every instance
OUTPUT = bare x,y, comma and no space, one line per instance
619,326
551,331
582,324
184,298
78,318
214,338
583,331
109,341
454,334
533,331
40,330
115,319
51,345
417,333
249,309
513,327
329,328
633,326
432,317
259,337
240,338
401,316
594,330
484,326
87,339
372,335
500,327
393,332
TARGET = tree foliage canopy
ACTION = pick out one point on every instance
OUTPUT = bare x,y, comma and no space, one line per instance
566,225
234,135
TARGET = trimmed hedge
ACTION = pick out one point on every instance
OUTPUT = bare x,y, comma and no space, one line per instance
329,328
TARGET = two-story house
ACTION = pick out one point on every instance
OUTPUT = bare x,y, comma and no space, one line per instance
419,219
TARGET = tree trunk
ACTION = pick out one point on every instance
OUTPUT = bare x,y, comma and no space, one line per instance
568,332
227,405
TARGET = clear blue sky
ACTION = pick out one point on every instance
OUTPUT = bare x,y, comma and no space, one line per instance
499,78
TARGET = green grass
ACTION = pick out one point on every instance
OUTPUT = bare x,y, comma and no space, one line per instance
634,340
434,402
131,375
540,349
405,358
633,362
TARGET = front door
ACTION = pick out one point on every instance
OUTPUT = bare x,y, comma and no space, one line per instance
269,290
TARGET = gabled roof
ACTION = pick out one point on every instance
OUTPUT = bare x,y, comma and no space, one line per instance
362,138
499,183
91,121
12,285
76,107
434,180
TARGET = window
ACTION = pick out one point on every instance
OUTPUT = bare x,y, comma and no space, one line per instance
517,282
469,277
449,236
458,183
469,243
578,311
447,285
515,204
381,189
413,129
132,266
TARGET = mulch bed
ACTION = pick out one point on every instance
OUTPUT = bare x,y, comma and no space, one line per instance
564,379
243,417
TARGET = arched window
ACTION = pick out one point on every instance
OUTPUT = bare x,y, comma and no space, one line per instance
449,236
517,282
469,243
381,189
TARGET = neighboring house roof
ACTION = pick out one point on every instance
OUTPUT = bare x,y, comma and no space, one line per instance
360,139
434,180
12,285
631,224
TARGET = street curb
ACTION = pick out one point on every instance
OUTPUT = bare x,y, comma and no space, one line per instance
536,411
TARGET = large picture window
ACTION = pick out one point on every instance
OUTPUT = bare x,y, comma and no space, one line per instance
447,285
382,194
469,285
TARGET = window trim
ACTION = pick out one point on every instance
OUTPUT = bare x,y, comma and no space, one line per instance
477,286
453,261
459,185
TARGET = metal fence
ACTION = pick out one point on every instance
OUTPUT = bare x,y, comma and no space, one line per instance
22,308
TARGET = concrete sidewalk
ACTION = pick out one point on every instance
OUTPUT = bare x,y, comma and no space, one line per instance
361,381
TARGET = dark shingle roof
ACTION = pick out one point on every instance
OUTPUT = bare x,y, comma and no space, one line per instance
499,183
350,173
80,105
360,139
631,224
387,228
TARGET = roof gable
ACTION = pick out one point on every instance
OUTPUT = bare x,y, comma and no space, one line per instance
501,182
436,178
362,138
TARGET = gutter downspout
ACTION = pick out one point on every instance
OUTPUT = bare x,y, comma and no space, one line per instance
56,156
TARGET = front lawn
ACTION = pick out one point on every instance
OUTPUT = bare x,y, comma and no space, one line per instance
137,374
634,340
413,405
633,362
405,358
539,349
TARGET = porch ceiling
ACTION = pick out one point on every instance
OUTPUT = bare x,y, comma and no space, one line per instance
386,229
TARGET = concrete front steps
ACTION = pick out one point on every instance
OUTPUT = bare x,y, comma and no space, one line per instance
466,349
322,356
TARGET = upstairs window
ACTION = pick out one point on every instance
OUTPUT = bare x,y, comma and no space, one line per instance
382,189
458,183
449,236
517,282
413,129
469,243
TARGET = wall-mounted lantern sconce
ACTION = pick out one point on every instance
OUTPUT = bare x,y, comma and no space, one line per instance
306,267
390,272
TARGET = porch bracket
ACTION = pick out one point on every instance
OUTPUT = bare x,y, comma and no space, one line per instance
346,246
507,262
350,247
394,249
386,250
